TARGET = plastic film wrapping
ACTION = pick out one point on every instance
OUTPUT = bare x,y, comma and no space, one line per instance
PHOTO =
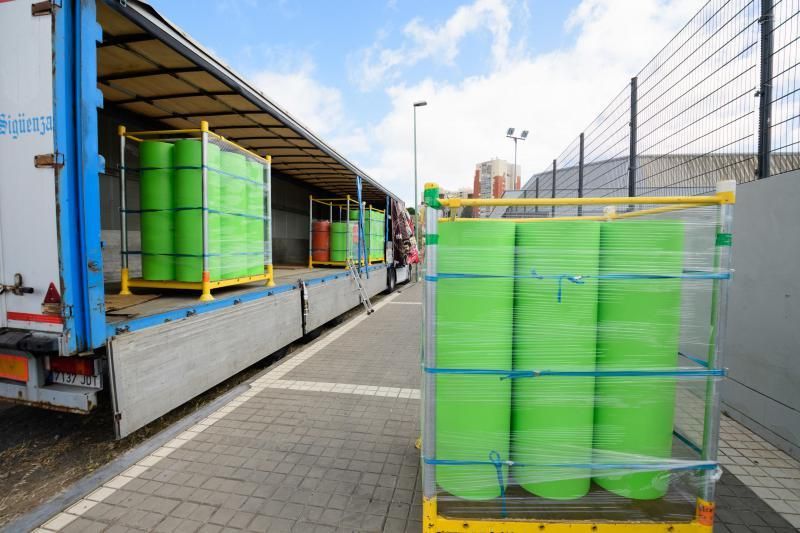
473,413
237,210
156,200
555,328
571,366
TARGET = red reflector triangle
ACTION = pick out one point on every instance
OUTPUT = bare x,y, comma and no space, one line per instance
52,296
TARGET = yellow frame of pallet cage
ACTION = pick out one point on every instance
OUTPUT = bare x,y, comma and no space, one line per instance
340,203
206,285
432,521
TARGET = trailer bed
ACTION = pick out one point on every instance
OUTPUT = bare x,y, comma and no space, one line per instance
150,302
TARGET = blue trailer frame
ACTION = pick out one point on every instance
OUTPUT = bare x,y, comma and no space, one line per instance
75,102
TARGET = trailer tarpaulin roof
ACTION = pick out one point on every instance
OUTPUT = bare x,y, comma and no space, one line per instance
148,66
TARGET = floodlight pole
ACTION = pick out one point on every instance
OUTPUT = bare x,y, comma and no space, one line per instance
421,103
510,135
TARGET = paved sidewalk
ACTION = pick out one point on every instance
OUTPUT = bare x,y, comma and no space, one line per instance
324,441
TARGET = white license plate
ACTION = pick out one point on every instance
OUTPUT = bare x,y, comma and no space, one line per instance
95,382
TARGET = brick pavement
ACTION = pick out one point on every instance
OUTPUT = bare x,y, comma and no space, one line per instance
322,442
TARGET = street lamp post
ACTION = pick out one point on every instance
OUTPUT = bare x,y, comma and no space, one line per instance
510,135
421,103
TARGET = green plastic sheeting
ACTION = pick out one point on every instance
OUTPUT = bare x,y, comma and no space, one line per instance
474,330
551,420
155,190
234,204
255,226
638,329
188,198
339,235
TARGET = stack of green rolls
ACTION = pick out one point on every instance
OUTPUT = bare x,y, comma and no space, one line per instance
255,222
551,421
188,201
172,219
558,296
638,329
474,317
155,192
234,204
338,243
376,233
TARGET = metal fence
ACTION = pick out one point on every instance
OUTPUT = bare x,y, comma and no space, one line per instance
720,101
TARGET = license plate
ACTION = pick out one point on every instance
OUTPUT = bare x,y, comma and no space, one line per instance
94,382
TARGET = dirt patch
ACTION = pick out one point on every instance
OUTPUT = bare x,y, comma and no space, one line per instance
44,452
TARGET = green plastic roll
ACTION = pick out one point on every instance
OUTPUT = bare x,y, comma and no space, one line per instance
188,198
638,329
155,191
354,214
214,214
234,204
551,417
338,246
474,330
255,226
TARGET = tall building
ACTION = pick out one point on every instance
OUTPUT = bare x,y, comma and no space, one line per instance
492,178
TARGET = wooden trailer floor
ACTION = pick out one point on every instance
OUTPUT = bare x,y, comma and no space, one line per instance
149,302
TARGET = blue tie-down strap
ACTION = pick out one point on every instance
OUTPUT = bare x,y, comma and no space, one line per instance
497,461
517,374
580,279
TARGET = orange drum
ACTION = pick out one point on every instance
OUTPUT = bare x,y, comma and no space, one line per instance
320,240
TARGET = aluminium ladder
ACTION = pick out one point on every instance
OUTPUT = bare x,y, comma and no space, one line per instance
357,277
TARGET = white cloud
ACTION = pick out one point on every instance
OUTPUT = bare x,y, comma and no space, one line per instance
376,65
554,95
316,105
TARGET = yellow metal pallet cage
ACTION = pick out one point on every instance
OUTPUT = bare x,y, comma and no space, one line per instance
206,284
434,520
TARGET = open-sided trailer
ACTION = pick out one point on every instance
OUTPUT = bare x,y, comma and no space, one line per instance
73,71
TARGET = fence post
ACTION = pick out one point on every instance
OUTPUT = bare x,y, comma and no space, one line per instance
553,208
580,174
536,208
632,136
765,90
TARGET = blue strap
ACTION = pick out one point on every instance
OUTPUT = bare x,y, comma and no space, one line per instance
198,167
674,466
139,252
497,461
208,209
516,374
694,359
579,279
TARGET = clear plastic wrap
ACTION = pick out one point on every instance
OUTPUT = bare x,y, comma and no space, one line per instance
205,213
570,365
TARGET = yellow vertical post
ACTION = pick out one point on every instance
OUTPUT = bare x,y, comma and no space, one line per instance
271,280
124,289
205,295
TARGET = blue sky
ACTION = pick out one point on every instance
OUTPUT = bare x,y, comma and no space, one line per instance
281,35
350,69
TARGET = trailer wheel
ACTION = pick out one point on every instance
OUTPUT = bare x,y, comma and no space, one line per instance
391,280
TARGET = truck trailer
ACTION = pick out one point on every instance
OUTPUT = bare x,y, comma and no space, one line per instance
75,74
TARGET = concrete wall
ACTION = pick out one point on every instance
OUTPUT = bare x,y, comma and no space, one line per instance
762,345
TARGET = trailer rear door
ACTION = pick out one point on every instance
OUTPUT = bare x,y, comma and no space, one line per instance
29,261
